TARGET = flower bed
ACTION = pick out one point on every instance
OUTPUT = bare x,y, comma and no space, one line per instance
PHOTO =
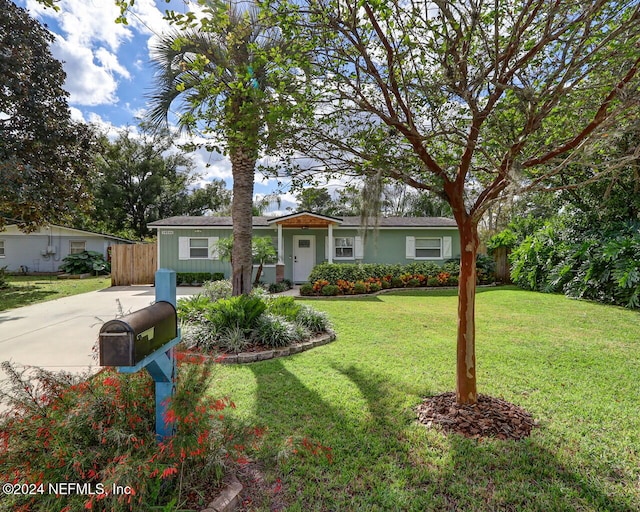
329,279
213,323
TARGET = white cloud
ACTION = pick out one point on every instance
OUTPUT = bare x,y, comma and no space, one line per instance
87,22
87,82
87,43
76,114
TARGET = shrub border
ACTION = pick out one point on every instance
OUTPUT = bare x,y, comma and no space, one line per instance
388,290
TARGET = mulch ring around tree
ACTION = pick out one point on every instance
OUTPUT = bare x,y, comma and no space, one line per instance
489,417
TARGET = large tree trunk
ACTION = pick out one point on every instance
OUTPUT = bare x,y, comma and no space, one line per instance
466,349
242,168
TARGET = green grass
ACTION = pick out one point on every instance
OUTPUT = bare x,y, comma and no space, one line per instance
574,365
25,290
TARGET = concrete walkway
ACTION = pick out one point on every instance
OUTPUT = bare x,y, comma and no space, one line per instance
60,334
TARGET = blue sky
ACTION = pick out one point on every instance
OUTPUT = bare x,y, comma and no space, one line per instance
109,72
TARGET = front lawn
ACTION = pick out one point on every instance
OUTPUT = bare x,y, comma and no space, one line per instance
342,433
25,290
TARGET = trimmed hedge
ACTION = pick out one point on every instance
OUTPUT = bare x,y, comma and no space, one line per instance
334,272
197,277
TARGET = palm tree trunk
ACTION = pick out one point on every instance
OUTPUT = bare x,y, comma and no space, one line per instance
242,168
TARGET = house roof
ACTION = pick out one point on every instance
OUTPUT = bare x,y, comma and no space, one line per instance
39,231
383,222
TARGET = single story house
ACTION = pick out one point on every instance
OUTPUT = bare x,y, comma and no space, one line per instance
44,249
304,239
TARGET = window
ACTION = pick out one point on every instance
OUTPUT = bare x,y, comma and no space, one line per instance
343,247
77,246
198,248
429,248
1,248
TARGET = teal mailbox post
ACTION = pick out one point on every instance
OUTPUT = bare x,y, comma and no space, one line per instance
147,339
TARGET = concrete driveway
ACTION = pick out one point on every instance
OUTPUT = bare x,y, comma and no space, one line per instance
60,334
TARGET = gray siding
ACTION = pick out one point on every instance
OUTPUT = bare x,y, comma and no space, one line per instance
31,250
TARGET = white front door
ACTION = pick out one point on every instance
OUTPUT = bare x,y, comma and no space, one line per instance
304,256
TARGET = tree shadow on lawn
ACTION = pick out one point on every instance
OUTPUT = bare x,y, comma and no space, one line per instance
383,459
17,296
442,292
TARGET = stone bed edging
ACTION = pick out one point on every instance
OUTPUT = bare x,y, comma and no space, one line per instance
264,355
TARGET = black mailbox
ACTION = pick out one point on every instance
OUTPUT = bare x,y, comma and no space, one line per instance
127,340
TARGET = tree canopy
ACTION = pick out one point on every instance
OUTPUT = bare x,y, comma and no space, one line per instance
469,99
45,158
142,178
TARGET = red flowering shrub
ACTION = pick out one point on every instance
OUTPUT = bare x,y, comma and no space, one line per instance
99,434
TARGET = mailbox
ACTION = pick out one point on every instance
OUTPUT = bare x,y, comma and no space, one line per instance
126,341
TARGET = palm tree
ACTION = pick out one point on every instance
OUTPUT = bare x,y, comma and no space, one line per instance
220,71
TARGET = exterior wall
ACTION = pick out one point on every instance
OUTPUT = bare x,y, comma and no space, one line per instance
30,250
168,252
385,246
389,245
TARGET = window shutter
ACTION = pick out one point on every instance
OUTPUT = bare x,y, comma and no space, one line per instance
410,247
213,249
358,249
446,247
326,248
183,248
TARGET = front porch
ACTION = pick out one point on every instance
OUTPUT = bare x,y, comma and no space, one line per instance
304,250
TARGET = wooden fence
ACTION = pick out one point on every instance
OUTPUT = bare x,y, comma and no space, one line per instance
503,269
133,264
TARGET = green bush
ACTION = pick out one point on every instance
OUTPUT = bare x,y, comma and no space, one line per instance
285,307
274,331
330,290
506,238
485,269
193,308
334,272
85,262
307,289
3,278
597,263
216,290
187,278
233,339
359,287
199,335
232,325
315,321
241,311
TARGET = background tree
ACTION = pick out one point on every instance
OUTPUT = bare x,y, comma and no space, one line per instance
231,71
315,199
45,158
142,180
468,99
